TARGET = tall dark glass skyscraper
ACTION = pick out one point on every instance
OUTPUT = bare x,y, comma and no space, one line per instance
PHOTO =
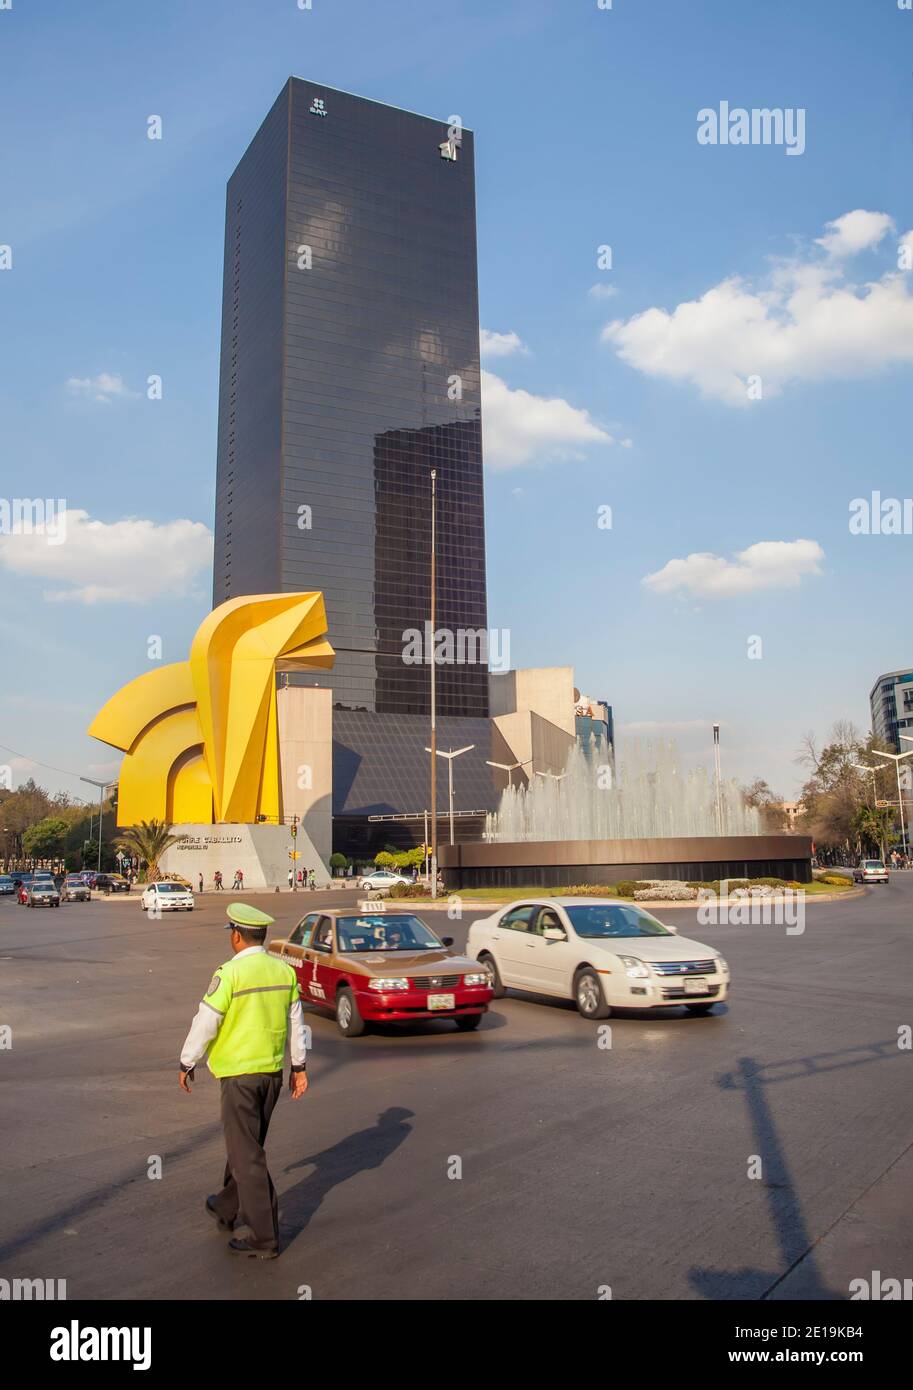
350,369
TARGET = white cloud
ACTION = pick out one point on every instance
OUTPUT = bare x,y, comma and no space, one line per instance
765,565
804,322
520,428
855,231
104,388
500,344
129,561
601,291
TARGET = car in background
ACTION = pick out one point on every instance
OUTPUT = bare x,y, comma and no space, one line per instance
167,896
870,871
7,885
602,953
111,883
383,967
41,892
74,889
383,878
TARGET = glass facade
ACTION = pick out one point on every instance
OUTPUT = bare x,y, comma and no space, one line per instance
350,369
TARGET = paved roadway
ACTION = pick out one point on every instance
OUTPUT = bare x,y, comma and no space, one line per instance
581,1166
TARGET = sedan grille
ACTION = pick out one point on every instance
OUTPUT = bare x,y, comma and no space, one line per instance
684,967
435,981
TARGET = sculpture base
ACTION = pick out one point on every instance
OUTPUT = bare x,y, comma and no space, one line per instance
261,852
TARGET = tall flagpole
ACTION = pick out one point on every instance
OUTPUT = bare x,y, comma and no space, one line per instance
433,688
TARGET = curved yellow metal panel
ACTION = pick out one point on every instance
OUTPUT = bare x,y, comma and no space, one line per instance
126,714
143,783
224,699
190,793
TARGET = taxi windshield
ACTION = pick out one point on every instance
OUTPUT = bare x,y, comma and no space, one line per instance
384,932
614,919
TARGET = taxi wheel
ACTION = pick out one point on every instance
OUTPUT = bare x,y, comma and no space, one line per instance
699,1009
588,995
498,988
351,1024
467,1022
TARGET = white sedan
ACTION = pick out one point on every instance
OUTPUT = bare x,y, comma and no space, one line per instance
167,897
383,878
602,953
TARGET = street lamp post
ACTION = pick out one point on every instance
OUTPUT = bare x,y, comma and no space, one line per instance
433,655
897,759
719,778
450,757
509,768
102,788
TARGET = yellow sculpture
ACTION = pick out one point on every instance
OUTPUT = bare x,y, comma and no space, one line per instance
201,737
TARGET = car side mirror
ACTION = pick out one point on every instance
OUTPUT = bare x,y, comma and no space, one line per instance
447,940
554,934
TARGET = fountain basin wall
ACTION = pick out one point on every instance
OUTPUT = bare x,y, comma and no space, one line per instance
558,863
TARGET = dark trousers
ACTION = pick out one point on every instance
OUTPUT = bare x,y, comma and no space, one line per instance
248,1193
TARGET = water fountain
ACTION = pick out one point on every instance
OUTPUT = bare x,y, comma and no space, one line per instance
649,797
645,818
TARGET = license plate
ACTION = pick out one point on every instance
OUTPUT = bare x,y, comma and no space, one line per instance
441,1001
695,986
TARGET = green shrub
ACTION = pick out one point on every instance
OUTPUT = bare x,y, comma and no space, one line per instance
627,887
410,890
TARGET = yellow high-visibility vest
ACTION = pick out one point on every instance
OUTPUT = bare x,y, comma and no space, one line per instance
253,994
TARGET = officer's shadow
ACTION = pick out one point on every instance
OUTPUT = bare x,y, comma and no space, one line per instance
367,1148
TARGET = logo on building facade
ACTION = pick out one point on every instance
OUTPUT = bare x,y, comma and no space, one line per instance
450,148
318,107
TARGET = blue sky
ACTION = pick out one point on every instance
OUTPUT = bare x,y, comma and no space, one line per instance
585,123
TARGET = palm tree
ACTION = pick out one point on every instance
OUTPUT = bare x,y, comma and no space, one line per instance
148,841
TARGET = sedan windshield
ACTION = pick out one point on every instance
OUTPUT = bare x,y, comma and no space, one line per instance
384,932
170,888
614,919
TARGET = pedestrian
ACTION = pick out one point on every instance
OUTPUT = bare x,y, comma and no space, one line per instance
291,879
237,881
300,878
251,1006
312,879
217,880
201,882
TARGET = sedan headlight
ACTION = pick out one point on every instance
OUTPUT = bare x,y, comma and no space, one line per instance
478,977
635,968
387,986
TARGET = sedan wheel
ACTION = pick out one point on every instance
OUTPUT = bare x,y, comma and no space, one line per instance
588,995
351,1024
490,966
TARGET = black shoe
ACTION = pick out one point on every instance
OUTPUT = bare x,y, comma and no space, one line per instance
241,1247
220,1221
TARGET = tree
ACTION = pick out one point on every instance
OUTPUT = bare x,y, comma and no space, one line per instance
149,840
338,861
45,840
770,806
875,827
837,790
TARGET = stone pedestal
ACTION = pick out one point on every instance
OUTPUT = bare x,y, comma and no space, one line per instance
260,851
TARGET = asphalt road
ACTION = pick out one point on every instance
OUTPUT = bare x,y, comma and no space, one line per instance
581,1166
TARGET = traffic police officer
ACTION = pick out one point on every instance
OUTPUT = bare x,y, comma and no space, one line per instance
251,1006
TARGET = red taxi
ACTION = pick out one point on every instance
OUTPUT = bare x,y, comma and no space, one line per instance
383,967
